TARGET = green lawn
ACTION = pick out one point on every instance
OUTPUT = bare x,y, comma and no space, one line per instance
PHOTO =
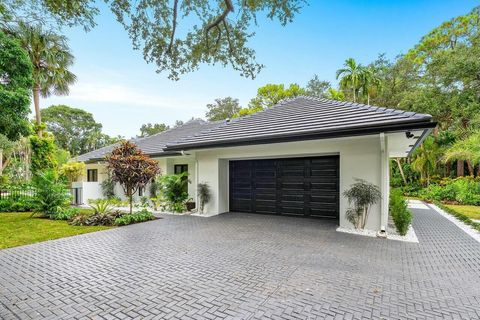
17,229
473,212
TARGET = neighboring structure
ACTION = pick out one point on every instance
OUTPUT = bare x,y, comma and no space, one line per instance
296,158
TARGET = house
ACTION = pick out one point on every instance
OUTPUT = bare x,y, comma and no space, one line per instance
296,158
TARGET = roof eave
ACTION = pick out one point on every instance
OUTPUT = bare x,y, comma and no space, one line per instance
306,136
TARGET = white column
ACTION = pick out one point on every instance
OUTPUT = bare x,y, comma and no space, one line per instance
385,181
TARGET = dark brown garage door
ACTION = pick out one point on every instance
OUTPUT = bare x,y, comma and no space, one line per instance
292,186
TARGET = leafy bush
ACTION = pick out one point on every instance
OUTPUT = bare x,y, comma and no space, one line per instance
463,190
17,204
204,194
52,195
108,187
102,206
95,219
362,195
65,214
401,216
173,188
135,217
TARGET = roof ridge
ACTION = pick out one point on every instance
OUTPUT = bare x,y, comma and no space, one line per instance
363,106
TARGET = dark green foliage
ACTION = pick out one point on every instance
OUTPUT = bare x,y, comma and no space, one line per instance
361,195
222,108
135,217
95,219
17,205
401,216
151,129
65,214
43,154
16,83
204,194
74,129
52,194
173,188
108,187
462,190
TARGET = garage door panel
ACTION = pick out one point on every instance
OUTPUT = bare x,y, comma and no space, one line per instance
293,186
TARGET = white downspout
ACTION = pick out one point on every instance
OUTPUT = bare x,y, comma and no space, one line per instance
385,182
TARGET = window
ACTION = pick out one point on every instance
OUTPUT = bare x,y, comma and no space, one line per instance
140,192
92,175
180,168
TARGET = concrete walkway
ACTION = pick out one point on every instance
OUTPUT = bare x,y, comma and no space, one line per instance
244,266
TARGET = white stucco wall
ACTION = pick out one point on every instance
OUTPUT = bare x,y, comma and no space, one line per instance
360,157
166,165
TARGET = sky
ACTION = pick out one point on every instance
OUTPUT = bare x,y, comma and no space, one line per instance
123,92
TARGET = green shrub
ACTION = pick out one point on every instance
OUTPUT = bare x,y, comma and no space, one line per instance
173,188
135,217
102,206
401,216
462,190
52,194
95,219
108,187
17,204
65,214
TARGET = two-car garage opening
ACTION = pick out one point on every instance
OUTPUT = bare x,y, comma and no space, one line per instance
290,186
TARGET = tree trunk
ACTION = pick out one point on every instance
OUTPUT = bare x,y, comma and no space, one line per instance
460,168
471,170
36,103
397,160
130,197
368,98
354,96
447,169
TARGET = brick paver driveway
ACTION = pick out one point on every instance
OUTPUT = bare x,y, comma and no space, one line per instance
247,267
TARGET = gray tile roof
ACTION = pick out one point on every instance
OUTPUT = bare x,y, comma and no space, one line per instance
155,144
304,118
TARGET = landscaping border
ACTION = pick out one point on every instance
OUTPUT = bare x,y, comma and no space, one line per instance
460,220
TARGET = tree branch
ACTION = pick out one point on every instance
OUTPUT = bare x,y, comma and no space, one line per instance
174,26
222,17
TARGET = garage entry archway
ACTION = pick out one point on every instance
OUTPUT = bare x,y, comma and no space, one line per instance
289,186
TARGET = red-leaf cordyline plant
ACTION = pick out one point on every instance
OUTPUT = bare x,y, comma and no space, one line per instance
131,168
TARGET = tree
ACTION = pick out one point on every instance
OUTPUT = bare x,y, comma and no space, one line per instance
151,129
467,149
317,88
178,123
370,82
51,60
335,94
15,85
350,76
43,154
362,195
223,108
74,129
131,168
425,159
72,170
179,36
271,94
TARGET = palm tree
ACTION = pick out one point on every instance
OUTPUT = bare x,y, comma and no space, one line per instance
51,59
467,149
351,76
369,82
425,159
